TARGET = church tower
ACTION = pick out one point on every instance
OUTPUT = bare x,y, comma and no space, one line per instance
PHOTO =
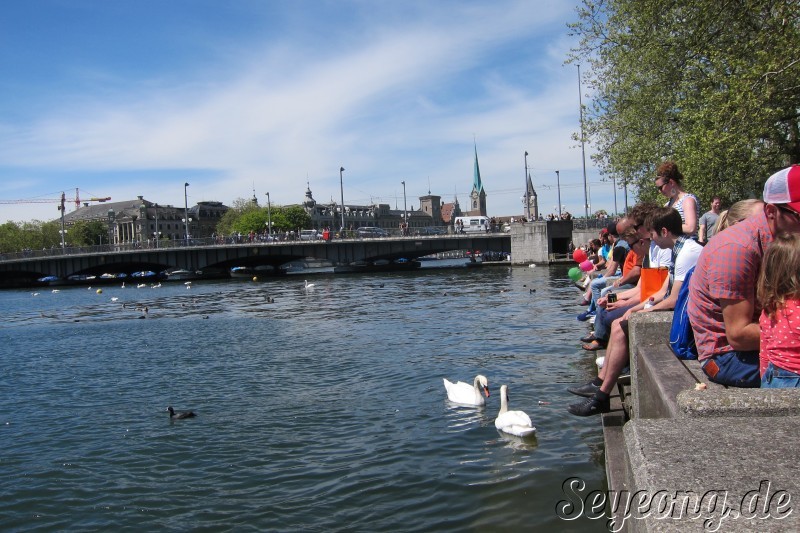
532,200
477,198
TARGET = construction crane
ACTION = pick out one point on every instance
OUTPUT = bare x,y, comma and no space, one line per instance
60,201
61,207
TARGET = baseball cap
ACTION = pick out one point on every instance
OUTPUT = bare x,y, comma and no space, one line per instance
783,187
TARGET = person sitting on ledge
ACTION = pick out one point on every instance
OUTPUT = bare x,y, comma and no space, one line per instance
664,225
779,294
722,306
654,257
619,250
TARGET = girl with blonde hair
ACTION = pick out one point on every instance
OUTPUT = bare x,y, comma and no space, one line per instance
778,291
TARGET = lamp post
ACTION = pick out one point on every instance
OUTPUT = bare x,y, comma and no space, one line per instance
269,217
405,209
341,188
614,181
558,187
583,149
186,213
157,231
63,230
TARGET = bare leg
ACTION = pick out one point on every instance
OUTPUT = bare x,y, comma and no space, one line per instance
617,356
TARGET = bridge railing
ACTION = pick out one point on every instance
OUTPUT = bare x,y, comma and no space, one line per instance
217,241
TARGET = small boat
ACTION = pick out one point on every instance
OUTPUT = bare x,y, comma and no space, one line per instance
183,274
242,272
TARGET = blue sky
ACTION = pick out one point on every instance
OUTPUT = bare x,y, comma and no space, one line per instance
130,98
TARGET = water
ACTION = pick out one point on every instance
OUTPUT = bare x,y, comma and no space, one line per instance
323,411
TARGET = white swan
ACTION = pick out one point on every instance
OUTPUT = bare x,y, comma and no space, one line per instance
308,285
514,422
466,394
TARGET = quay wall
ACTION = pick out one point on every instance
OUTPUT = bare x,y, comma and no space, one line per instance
675,439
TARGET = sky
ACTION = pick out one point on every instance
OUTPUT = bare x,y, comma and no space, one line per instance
137,97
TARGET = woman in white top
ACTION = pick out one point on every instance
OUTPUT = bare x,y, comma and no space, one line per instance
668,182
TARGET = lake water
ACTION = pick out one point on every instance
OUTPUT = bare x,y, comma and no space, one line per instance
322,411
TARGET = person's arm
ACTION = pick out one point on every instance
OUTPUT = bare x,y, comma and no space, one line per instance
743,334
668,303
701,235
690,214
633,274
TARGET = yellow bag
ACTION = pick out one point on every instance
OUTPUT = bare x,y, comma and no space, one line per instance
652,281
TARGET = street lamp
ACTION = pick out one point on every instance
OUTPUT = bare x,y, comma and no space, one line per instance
269,217
583,150
558,186
341,188
405,208
157,232
527,191
186,213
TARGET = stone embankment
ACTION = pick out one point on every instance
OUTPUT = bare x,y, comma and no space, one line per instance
681,456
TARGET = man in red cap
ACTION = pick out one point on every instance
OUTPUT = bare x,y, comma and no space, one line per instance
722,306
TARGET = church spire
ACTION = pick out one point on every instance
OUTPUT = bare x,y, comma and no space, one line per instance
477,185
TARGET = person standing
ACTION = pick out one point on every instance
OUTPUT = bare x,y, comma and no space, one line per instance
669,183
723,309
708,221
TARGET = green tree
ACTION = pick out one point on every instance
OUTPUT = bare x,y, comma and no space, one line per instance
87,233
296,218
711,85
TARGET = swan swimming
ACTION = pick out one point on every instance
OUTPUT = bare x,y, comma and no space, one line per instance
514,422
308,285
466,394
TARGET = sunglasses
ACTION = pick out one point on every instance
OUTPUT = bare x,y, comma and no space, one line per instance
791,212
659,187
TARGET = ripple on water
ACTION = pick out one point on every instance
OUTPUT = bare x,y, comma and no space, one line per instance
323,410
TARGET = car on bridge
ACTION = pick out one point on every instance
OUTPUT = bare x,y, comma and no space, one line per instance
310,235
371,232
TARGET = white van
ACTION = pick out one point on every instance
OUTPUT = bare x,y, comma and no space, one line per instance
309,235
474,224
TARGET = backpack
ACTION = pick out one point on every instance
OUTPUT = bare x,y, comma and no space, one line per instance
681,336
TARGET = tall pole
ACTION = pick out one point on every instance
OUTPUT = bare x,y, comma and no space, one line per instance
558,186
186,213
341,188
583,149
269,216
62,208
614,181
157,232
405,207
527,191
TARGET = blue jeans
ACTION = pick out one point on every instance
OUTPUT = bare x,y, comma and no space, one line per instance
602,323
735,369
778,378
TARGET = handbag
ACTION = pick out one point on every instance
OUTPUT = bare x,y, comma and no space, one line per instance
652,280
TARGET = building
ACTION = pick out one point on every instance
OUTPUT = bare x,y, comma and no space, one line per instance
376,215
477,198
532,201
137,221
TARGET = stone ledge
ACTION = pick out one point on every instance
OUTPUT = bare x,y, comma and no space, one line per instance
739,402
719,454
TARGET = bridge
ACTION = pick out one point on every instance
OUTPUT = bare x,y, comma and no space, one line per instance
25,268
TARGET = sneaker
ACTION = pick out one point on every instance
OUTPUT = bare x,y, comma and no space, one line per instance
586,315
586,390
590,406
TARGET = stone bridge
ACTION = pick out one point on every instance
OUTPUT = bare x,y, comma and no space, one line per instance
26,268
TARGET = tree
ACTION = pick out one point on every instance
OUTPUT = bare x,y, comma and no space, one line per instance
711,85
245,216
87,233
